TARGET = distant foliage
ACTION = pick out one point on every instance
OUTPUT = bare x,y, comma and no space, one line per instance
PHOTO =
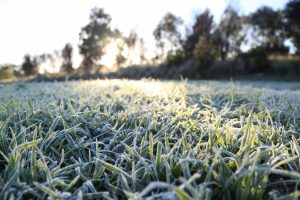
167,34
30,65
228,36
206,52
67,65
120,58
94,37
256,60
265,31
175,58
292,15
7,72
202,27
253,41
269,27
132,39
131,49
142,51
130,42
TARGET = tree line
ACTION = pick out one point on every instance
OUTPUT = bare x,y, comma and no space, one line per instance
251,38
262,33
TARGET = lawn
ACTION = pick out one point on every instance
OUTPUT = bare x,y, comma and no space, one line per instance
120,139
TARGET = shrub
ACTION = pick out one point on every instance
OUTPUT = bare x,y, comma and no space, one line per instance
175,58
189,69
256,60
6,72
286,67
221,69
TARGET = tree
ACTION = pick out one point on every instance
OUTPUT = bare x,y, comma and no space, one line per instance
269,27
202,28
142,51
292,15
132,39
67,64
30,65
131,42
94,37
206,52
120,58
167,35
228,34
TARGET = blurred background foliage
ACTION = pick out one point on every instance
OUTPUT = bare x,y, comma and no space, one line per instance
265,43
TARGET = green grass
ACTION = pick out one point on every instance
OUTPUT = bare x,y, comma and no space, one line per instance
149,140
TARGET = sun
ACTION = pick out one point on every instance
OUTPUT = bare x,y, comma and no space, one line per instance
109,59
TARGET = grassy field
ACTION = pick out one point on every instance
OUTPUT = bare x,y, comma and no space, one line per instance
114,139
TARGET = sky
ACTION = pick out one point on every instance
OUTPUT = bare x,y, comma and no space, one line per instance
43,26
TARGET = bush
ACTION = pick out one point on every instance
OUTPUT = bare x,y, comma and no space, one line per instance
286,67
175,58
189,69
256,60
222,69
6,72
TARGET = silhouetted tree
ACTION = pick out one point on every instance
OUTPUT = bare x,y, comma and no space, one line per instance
202,27
269,26
131,42
67,64
292,14
30,65
94,37
142,51
120,58
206,51
43,57
132,39
167,35
228,36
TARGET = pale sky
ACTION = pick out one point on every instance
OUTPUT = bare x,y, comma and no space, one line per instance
43,26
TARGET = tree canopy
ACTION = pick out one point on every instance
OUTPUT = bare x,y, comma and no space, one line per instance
202,27
30,65
269,27
228,35
94,37
292,15
167,34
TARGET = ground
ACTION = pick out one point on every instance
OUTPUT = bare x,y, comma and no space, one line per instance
120,139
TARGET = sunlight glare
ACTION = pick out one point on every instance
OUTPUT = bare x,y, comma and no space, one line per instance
151,87
109,59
